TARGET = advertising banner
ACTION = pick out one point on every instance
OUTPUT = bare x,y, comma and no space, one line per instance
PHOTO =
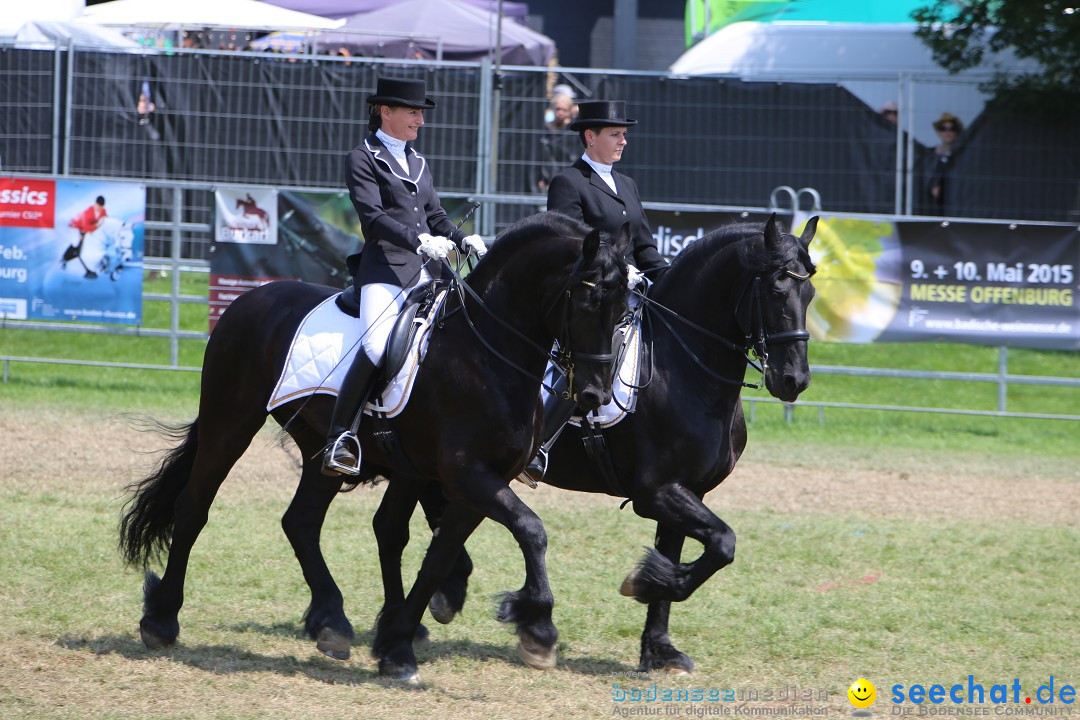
905,281
891,280
246,215
264,235
71,250
307,236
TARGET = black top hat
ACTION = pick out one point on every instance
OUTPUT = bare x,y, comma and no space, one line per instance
601,113
398,92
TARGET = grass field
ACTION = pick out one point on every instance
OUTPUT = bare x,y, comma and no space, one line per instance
903,548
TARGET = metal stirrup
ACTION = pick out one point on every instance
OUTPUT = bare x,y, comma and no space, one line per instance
331,462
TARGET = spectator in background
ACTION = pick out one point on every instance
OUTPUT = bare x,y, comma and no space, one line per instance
948,128
558,144
890,112
562,109
145,109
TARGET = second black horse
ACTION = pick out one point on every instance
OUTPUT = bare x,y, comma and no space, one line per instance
741,290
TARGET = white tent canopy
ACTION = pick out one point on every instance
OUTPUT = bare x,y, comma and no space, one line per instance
866,58
228,13
812,48
16,14
37,34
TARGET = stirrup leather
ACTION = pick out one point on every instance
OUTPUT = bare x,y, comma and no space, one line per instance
330,461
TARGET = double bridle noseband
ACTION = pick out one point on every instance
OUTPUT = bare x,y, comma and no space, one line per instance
751,319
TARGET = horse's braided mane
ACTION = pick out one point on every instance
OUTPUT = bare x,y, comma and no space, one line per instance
544,227
543,224
752,255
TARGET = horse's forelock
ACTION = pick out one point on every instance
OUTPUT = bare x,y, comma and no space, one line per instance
610,264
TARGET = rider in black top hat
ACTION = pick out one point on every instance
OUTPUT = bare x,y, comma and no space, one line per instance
392,190
590,190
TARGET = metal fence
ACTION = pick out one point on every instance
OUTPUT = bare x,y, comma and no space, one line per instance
702,143
268,118
175,230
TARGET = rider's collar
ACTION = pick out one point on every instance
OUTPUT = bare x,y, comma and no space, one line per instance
395,146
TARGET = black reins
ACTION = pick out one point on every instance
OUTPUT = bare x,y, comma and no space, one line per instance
756,338
562,357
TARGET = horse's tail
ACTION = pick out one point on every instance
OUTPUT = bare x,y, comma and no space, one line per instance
147,522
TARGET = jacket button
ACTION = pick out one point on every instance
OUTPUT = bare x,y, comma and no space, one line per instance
416,209
414,193
623,212
417,224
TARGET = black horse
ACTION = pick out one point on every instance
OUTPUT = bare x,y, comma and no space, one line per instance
741,288
738,288
472,423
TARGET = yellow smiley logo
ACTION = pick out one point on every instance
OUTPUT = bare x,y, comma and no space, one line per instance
862,693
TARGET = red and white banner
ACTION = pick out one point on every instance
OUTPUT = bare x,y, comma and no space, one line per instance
27,203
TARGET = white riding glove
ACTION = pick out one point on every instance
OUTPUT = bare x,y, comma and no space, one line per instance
476,244
434,246
634,277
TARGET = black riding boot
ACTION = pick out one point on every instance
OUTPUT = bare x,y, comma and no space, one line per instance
339,456
557,412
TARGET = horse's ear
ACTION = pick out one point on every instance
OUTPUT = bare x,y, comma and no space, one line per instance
808,232
772,235
622,241
589,247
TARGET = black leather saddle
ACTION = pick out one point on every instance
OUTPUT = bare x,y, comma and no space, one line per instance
418,304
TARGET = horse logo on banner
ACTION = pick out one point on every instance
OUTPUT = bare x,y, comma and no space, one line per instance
246,215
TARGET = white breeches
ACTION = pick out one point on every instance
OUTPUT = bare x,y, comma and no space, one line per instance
380,304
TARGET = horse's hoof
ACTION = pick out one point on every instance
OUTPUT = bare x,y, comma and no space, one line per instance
666,659
157,636
441,609
401,673
534,654
421,639
629,585
152,642
333,644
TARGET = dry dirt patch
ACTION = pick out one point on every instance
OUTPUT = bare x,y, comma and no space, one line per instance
112,452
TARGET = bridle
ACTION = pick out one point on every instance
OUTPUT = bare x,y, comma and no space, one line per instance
757,333
562,355
750,316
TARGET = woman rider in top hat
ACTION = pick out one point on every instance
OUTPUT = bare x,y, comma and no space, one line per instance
392,190
591,191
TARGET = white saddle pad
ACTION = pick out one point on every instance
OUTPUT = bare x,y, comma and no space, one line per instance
323,349
624,392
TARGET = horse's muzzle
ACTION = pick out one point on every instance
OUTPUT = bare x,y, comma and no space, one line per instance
787,385
591,398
